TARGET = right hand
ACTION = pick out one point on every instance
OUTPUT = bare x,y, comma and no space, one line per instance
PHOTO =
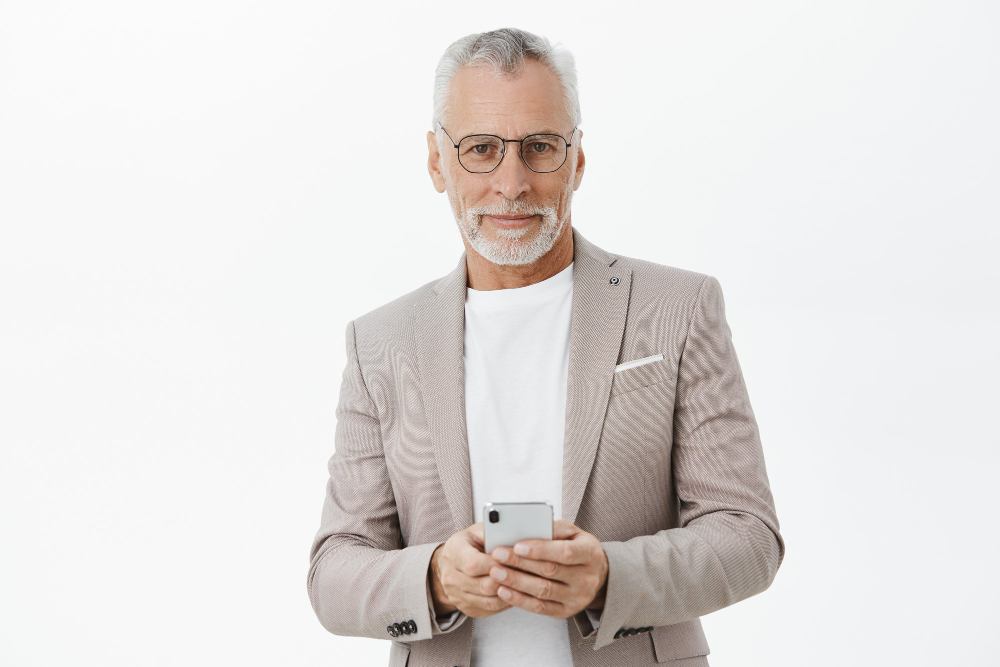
460,576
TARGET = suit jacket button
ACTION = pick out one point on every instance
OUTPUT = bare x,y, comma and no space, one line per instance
632,631
648,628
619,633
398,628
413,625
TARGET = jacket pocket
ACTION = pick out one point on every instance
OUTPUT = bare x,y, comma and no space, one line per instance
680,640
651,371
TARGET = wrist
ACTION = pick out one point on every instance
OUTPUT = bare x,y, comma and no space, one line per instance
597,604
442,605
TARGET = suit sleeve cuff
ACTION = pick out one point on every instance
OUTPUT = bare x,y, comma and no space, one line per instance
617,605
587,622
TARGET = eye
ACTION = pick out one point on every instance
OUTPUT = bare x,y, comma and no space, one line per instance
539,147
485,147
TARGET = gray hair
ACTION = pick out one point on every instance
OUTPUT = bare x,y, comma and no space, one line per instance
505,50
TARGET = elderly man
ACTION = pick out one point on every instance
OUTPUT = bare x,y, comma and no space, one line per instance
541,368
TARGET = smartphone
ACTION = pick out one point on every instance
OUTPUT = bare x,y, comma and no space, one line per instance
506,523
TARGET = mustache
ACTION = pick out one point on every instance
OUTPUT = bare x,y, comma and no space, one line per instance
510,208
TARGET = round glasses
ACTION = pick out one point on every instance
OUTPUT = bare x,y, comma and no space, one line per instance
482,153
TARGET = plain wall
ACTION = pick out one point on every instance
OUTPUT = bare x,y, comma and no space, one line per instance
194,203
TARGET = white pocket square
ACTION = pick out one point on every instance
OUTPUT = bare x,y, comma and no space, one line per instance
638,362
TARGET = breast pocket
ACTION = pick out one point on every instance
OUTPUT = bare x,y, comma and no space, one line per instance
635,448
639,373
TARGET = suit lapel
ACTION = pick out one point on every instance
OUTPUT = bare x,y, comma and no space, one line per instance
440,327
598,323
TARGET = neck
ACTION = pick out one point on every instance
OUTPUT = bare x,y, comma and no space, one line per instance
485,275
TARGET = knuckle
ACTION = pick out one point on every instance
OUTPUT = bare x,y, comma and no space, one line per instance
546,591
549,569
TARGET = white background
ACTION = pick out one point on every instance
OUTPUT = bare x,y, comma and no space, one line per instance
194,204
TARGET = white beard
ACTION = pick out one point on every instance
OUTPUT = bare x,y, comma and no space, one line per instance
507,250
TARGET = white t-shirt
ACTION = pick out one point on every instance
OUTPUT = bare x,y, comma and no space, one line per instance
516,365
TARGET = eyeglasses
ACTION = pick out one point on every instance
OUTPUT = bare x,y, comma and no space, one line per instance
482,153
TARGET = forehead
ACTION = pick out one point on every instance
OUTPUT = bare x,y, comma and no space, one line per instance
483,101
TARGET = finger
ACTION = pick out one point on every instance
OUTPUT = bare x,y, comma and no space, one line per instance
532,604
489,603
539,587
567,552
545,568
485,585
476,531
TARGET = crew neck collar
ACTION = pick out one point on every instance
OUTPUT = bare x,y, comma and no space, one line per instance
529,293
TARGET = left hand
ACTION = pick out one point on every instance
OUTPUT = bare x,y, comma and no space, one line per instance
558,578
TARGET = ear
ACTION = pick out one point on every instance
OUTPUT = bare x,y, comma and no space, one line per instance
580,163
434,162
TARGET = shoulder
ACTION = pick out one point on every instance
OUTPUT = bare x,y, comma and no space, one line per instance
653,282
393,316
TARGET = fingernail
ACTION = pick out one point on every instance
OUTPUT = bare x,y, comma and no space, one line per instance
501,553
521,549
499,573
504,593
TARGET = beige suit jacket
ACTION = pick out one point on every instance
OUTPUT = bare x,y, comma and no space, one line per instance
662,462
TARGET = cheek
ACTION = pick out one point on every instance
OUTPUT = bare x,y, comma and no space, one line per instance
566,195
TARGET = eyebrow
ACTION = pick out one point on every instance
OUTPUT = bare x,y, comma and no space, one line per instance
546,131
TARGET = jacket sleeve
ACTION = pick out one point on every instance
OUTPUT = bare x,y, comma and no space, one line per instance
728,546
362,579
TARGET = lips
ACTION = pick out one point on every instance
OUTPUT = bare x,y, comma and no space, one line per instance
510,221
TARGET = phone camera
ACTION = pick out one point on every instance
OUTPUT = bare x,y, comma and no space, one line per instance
494,516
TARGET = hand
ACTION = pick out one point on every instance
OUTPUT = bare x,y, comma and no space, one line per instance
460,578
558,577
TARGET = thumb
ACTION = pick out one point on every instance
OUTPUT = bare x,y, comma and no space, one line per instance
476,531
564,530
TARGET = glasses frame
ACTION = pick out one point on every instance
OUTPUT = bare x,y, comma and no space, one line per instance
503,153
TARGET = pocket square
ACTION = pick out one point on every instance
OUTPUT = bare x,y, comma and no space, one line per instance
638,362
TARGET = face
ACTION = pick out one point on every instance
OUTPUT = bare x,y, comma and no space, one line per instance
510,215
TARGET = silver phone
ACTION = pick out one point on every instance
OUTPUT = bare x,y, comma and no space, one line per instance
504,524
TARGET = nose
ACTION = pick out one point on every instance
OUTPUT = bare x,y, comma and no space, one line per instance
512,177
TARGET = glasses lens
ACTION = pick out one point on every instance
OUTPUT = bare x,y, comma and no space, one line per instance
480,152
544,152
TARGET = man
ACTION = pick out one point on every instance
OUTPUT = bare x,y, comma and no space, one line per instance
541,368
